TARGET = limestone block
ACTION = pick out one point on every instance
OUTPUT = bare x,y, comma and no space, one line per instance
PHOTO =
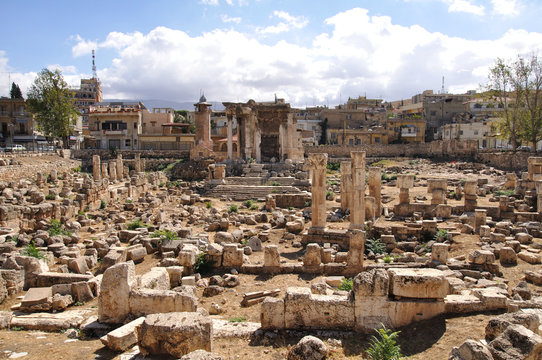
187,258
313,255
371,312
529,257
175,334
214,249
405,312
272,313
37,299
470,349
296,226
304,310
223,237
232,256
485,231
443,211
175,274
271,256
516,342
157,279
308,348
81,291
113,302
439,252
507,256
418,283
148,301
524,238
255,243
405,181
78,265
371,283
137,254
201,355
498,325
124,337
482,257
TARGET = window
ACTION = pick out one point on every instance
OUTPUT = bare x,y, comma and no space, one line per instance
127,143
348,116
460,132
475,132
377,140
433,113
351,142
135,125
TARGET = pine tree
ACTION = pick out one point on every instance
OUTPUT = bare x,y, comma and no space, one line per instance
15,92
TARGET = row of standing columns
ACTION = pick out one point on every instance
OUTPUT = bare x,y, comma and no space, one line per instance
114,170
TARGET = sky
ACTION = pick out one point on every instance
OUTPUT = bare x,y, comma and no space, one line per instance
309,52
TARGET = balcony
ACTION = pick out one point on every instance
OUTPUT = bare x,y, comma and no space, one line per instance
108,132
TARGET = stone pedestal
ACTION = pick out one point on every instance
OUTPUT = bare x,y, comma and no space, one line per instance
439,252
437,188
313,256
113,171
120,169
317,164
370,208
534,166
137,163
357,248
511,181
375,181
96,169
471,187
404,183
480,217
230,137
346,185
357,210
538,185
105,171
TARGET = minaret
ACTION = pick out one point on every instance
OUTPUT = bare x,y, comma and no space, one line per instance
203,123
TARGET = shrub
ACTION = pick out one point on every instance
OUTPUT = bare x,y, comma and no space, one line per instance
136,224
77,169
103,204
375,245
347,284
55,228
14,238
254,207
333,166
202,265
387,259
233,208
329,193
385,347
174,184
387,177
275,183
32,250
167,234
208,205
247,203
441,234
307,203
504,192
413,162
50,197
237,319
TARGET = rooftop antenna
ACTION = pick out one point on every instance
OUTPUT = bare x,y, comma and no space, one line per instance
94,75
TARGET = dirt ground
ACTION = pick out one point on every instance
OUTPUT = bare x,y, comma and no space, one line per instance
431,339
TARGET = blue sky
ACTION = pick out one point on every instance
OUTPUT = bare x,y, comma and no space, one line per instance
309,52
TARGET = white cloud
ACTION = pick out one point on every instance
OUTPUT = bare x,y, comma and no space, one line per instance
227,19
361,54
505,7
83,47
465,6
66,69
210,2
289,22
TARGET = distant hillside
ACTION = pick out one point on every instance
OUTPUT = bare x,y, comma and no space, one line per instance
156,103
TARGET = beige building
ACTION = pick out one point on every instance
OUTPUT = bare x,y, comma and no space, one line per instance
116,125
88,93
16,124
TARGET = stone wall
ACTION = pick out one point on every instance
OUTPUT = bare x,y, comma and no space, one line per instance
153,158
447,148
505,160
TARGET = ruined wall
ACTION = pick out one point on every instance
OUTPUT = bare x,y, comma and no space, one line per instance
505,160
153,158
446,148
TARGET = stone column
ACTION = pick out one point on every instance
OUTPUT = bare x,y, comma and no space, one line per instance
346,185
113,171
471,187
357,211
211,170
404,183
137,163
120,168
356,249
534,166
105,172
538,185
375,181
96,170
437,188
230,137
480,217
220,172
257,144
317,164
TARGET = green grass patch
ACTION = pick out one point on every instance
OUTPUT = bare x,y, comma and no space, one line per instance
233,208
50,197
333,166
203,265
208,204
167,234
33,251
384,163
237,319
504,192
136,224
56,228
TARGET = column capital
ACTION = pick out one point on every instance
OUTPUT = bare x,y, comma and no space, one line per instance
317,161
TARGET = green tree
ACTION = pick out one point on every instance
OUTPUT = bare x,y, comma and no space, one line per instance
51,102
323,137
501,90
528,84
15,92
